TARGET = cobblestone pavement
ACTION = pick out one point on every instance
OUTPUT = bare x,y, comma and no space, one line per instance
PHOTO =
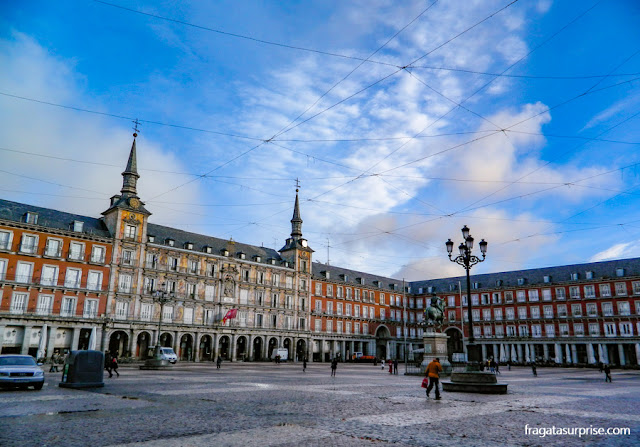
261,405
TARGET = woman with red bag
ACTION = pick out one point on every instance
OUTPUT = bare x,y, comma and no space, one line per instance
433,375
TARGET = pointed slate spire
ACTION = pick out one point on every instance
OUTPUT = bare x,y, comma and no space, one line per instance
296,221
130,175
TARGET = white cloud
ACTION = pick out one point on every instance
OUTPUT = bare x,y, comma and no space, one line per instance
618,251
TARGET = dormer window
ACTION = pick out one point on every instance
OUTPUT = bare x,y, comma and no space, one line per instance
271,261
476,285
498,283
207,249
151,238
170,242
420,290
546,278
452,287
31,218
344,277
588,275
575,276
241,255
188,245
377,283
224,252
619,272
430,289
360,281
257,258
78,226
521,281
394,286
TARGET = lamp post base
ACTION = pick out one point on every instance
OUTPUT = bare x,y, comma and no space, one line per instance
474,357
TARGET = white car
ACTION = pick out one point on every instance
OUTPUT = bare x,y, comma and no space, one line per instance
168,354
20,371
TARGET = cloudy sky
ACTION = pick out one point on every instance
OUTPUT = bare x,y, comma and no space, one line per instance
403,121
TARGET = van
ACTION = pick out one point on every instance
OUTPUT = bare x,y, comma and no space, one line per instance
282,352
168,354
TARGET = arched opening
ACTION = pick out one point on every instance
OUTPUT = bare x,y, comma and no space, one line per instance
454,342
83,342
118,343
301,350
382,338
225,353
286,344
257,348
142,345
205,348
166,340
273,344
241,348
186,347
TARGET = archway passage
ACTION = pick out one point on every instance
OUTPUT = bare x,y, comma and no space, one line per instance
118,343
257,348
241,348
273,344
286,344
186,347
142,345
206,343
83,343
166,340
382,338
301,350
225,352
454,342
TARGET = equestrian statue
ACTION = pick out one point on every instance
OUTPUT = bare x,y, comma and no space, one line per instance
434,314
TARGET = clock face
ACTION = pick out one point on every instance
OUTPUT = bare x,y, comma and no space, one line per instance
134,203
303,254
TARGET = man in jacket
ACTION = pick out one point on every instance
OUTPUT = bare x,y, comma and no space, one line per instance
433,373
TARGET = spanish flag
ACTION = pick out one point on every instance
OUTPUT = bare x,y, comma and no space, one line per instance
231,313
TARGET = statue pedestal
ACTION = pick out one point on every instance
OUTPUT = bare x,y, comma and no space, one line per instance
435,345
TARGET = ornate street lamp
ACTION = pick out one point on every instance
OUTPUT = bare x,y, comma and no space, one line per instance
467,260
162,297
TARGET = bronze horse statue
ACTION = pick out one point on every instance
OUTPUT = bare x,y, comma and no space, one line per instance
434,314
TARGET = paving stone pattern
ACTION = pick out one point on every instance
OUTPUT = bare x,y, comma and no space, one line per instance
263,405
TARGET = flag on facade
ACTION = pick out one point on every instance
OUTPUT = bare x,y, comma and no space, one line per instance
231,313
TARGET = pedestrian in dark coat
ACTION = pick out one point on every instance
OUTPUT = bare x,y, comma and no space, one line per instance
107,363
304,364
395,366
533,369
607,373
114,364
334,366
218,362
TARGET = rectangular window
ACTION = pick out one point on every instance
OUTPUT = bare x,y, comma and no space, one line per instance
372,312
49,275
382,314
382,302
98,254
511,331
578,329
288,302
76,251
562,311
19,303
259,320
124,283
130,231
194,267
356,311
329,326
339,327
536,330
329,290
451,301
23,272
347,328
499,331
546,294
550,330
318,289
474,299
357,294
574,292
497,314
521,296
210,293
192,292
339,290
72,278
535,312
330,307
289,282
636,287
510,313
318,325
576,310
564,330
609,329
607,309
365,328
29,244
589,291
5,240
146,311
621,289
318,306
486,314
508,296
623,308
274,321
496,298
592,310
122,309
68,308
476,314
348,310
605,290
348,293
94,280
274,300
594,329
188,316
533,295
548,311
44,305
90,308
561,293
626,329
3,269
127,257
522,313
339,308
53,248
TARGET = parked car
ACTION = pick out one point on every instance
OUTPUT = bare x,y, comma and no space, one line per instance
168,354
20,371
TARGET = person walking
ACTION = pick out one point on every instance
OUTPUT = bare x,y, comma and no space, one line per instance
497,368
107,363
54,363
114,364
334,366
509,365
390,366
433,374
534,369
218,362
395,367
607,373
304,364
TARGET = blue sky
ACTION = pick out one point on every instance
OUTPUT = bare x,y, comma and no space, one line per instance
403,121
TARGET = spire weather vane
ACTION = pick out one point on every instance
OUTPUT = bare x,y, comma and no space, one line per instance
135,128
